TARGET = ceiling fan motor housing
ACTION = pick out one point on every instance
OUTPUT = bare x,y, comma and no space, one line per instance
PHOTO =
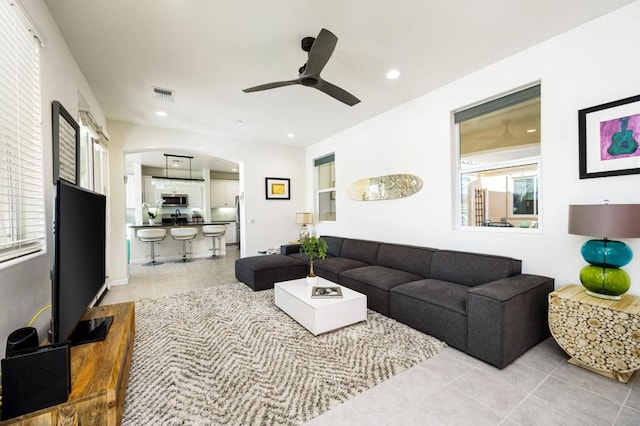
307,42
308,81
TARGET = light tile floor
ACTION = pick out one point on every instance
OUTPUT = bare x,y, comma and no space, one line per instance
452,388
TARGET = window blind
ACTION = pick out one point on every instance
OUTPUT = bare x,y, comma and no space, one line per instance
22,216
325,160
503,102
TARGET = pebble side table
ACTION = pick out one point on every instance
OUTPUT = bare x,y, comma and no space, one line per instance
600,335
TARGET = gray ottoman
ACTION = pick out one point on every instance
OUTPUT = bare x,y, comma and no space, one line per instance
260,272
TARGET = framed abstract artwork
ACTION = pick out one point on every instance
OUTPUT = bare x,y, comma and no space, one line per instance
277,188
609,138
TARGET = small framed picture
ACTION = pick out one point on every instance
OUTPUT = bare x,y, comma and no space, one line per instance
609,138
277,188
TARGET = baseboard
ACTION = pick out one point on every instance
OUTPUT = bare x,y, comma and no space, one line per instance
123,281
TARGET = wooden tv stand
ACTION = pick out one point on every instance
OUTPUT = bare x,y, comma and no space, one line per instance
99,373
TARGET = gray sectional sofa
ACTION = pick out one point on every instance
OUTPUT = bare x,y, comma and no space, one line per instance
481,304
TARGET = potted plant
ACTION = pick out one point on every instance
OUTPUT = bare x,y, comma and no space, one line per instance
153,212
315,248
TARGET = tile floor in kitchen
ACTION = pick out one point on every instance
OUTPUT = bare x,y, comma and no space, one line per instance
451,388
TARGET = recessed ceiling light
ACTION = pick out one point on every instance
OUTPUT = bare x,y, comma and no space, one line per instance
161,114
393,74
291,135
531,131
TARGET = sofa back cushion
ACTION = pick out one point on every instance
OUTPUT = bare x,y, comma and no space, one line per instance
334,245
416,260
471,269
364,251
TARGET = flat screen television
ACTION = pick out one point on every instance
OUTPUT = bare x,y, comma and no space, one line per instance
79,263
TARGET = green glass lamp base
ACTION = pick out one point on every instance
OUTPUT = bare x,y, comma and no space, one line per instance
606,283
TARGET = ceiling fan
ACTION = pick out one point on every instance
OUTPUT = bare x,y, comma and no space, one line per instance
320,50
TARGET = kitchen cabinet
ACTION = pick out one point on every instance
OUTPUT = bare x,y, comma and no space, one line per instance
150,193
230,233
195,197
224,192
218,193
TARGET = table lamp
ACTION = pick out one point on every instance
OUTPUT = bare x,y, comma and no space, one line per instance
603,277
304,219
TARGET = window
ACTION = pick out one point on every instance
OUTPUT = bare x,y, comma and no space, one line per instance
100,169
87,138
94,157
499,161
326,187
22,216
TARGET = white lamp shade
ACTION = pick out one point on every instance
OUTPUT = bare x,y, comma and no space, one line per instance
304,218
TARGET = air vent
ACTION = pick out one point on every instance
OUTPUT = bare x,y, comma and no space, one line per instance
163,94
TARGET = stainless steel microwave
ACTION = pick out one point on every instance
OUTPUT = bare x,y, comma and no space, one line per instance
175,200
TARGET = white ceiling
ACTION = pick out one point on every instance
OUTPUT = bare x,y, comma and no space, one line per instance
208,51
157,159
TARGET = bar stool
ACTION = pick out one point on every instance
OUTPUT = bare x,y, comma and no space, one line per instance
152,235
184,235
219,240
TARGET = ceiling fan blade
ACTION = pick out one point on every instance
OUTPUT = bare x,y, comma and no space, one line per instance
336,92
320,52
271,85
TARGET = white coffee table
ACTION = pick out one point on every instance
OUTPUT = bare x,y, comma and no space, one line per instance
319,315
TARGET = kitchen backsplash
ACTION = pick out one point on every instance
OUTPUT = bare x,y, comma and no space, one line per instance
217,214
223,214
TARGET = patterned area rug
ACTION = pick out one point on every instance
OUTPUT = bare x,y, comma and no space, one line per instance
227,355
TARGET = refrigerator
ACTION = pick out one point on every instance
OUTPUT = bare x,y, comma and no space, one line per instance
238,220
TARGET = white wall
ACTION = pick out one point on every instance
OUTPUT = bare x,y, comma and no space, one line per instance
588,66
25,286
274,220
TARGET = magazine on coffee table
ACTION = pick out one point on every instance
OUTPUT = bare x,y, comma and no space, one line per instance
326,292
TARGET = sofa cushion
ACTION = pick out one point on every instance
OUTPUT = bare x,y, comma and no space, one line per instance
301,257
334,245
375,282
364,251
331,267
260,272
435,307
471,269
416,260
305,258
446,294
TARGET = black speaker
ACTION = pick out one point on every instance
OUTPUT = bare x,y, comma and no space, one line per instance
21,339
35,378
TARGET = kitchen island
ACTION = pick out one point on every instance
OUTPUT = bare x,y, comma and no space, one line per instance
170,249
